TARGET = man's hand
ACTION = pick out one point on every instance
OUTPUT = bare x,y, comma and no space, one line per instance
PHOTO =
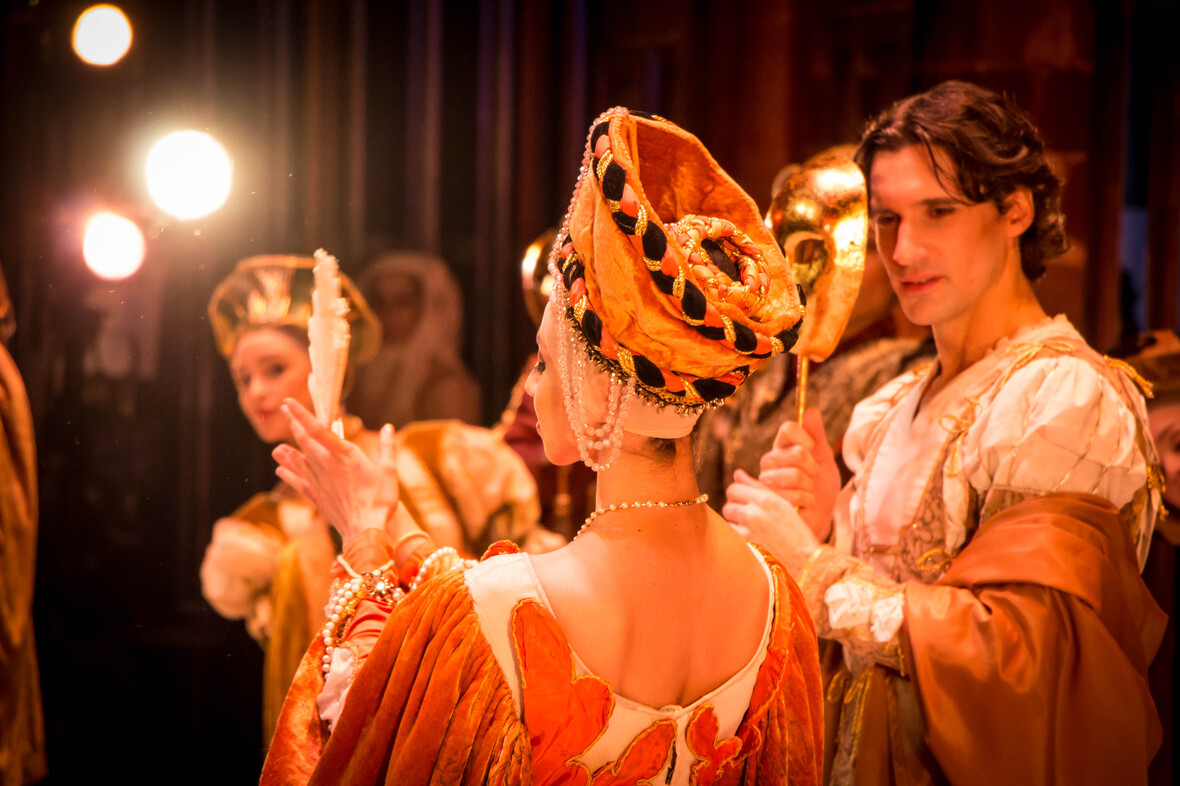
761,515
336,476
801,469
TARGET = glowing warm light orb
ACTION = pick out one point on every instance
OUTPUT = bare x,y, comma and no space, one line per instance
113,246
189,174
102,35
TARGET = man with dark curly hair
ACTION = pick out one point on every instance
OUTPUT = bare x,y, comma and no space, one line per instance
978,577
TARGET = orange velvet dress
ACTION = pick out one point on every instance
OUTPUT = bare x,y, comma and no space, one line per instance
431,705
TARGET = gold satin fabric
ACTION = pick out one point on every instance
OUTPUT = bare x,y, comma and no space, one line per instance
1027,662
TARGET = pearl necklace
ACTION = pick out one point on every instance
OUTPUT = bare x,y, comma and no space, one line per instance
636,505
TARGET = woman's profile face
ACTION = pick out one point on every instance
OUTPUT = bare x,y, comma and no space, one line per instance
267,366
544,385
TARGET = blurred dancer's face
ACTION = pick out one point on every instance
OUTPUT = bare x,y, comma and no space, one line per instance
1164,419
397,299
268,366
544,385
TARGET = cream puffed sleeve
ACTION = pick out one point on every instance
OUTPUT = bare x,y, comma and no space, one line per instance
849,600
239,565
1060,424
1065,423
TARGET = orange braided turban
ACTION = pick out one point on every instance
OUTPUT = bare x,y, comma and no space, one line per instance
671,276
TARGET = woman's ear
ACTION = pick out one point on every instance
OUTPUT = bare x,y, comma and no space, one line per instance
1018,211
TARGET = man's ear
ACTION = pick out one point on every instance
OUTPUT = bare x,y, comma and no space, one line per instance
1018,211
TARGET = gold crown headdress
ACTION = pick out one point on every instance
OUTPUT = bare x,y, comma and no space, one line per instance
275,289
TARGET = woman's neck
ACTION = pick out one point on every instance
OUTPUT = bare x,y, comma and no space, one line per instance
638,475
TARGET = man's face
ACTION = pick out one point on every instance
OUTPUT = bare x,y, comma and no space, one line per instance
945,257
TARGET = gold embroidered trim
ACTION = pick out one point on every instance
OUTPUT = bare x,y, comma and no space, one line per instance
603,163
640,222
957,428
1125,367
626,360
565,263
1027,351
727,326
936,557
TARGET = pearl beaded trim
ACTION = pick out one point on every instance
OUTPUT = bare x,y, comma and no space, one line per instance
636,505
347,594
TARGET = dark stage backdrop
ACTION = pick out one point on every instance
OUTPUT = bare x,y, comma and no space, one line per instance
451,127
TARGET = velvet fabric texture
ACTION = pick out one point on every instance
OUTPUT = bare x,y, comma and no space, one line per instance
430,705
1027,660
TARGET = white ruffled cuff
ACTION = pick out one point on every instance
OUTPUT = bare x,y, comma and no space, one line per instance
330,702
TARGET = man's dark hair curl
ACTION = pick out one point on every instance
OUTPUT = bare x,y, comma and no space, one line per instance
993,147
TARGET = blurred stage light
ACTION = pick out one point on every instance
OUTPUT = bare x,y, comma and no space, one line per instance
102,35
188,174
113,246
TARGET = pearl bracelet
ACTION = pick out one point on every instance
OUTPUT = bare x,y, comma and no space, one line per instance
437,555
343,602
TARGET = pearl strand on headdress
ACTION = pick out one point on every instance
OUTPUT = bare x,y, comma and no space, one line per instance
571,361
637,505
572,357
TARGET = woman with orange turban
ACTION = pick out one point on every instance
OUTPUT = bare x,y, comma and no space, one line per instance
658,646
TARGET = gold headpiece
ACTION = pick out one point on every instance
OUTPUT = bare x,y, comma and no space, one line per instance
536,279
275,289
